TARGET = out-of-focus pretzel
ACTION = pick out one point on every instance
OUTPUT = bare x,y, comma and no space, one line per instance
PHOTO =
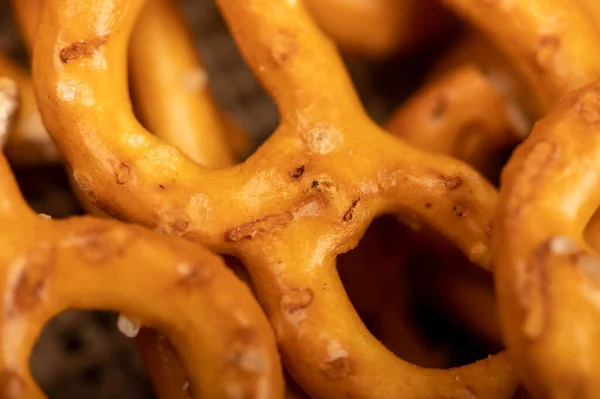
377,28
171,88
476,50
460,114
28,144
547,275
305,196
552,43
50,266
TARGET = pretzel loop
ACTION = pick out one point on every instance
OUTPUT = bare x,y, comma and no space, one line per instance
546,275
552,43
208,314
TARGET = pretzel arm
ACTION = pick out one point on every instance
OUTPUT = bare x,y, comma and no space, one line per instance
171,88
28,143
295,62
339,357
460,114
350,23
546,275
435,190
80,77
552,43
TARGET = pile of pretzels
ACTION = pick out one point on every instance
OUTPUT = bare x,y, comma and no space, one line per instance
117,94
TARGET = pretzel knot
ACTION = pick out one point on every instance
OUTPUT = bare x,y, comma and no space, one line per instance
305,196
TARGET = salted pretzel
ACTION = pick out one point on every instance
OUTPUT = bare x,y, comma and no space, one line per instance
291,207
546,272
552,43
49,266
378,28
460,114
162,60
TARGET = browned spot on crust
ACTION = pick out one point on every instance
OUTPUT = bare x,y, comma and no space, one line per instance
461,209
179,227
547,48
427,205
252,229
438,111
452,183
534,292
338,368
11,385
194,275
122,172
104,207
588,106
81,49
350,212
284,45
296,299
299,171
161,186
310,205
101,244
37,265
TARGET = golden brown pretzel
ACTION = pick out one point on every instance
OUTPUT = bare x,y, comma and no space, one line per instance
546,274
163,60
377,28
50,266
28,144
476,50
552,43
459,114
305,196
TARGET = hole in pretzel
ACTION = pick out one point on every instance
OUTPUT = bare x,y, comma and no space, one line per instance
420,297
82,354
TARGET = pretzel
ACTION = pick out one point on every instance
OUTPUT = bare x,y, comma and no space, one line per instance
294,192
351,23
50,266
475,50
28,144
460,114
552,43
170,85
546,273
181,118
